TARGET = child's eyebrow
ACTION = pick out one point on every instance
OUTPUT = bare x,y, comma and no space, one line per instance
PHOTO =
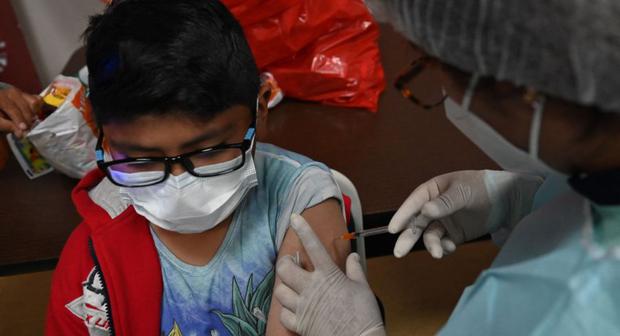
208,136
128,147
124,147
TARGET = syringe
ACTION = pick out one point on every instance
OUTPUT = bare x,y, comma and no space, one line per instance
364,233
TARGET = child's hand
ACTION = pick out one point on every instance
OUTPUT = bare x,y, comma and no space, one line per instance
17,110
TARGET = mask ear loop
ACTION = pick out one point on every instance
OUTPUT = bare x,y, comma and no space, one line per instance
251,134
469,93
538,106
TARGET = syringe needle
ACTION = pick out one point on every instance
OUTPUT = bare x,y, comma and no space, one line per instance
364,233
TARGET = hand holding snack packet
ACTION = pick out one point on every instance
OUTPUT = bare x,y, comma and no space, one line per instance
18,110
63,135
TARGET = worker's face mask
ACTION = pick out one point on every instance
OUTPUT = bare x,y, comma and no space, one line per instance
493,144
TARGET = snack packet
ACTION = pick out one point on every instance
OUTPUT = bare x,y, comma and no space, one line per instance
65,135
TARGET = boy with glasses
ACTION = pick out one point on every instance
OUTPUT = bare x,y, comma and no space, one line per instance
187,213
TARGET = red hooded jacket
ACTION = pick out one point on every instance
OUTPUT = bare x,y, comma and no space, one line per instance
108,280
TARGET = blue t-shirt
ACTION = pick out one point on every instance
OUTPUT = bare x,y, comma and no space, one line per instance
231,295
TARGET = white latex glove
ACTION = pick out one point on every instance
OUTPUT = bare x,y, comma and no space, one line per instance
326,301
461,206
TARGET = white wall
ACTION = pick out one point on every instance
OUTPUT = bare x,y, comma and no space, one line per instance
52,29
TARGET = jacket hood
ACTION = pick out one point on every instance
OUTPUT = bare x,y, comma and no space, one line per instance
94,215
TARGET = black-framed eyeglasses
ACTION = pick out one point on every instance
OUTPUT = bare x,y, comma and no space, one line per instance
413,70
147,171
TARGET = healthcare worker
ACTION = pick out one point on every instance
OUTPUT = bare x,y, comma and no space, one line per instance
535,84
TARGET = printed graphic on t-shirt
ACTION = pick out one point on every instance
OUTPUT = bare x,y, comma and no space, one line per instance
245,314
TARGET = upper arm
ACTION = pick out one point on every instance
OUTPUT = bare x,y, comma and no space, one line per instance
328,223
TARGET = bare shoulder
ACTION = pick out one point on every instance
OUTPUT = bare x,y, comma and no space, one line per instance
327,221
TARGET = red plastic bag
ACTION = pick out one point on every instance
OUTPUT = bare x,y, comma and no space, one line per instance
318,50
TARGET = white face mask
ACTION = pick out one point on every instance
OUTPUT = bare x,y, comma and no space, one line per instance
500,150
190,204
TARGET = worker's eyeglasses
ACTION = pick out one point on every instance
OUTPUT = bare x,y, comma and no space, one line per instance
147,171
406,76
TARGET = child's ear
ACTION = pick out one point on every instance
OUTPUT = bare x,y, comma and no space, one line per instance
262,111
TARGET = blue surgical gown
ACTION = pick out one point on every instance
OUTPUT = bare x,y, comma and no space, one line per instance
557,274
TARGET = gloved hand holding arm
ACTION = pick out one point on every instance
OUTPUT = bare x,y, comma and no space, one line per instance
461,206
325,301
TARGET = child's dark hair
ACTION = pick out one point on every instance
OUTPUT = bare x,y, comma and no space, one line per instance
168,56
